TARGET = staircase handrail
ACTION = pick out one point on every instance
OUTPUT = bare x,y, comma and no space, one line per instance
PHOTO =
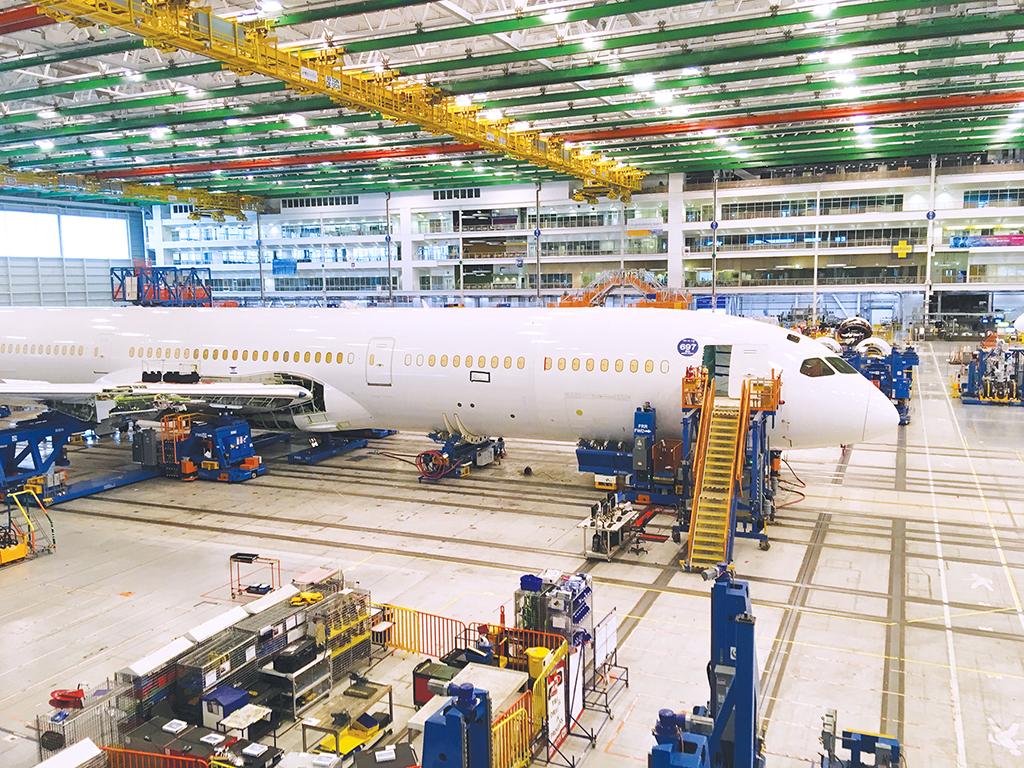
707,410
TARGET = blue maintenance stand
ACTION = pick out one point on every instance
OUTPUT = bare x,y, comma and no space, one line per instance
884,750
893,375
30,448
327,446
661,472
726,732
162,286
117,479
994,377
459,734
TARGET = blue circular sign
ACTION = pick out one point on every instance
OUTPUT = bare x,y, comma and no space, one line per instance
714,225
387,238
536,233
687,347
930,215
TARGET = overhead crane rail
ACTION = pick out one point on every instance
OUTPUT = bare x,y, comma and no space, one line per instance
248,48
214,204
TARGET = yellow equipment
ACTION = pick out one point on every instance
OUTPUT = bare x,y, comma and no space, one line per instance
307,598
249,48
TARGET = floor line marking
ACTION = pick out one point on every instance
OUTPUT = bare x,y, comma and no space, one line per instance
954,682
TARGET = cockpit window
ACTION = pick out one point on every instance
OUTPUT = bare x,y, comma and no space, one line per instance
841,365
814,367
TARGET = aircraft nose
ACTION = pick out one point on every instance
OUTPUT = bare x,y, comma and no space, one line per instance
880,416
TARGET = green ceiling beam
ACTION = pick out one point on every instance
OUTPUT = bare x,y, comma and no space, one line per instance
70,52
93,83
340,11
516,24
697,31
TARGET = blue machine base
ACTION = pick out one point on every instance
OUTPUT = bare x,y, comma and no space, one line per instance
977,401
231,474
661,498
119,479
270,438
331,447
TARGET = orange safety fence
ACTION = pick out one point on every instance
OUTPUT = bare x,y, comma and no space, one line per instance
765,394
694,384
512,735
130,758
419,632
511,643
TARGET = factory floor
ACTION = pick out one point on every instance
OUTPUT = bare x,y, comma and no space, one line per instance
892,590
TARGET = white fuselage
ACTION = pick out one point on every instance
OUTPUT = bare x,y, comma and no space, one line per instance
556,374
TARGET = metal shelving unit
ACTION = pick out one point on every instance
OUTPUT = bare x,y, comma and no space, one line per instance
307,685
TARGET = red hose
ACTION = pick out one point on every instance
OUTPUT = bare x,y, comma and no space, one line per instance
433,465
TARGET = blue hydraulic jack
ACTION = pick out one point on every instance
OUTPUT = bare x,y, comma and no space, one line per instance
884,749
726,733
893,375
459,734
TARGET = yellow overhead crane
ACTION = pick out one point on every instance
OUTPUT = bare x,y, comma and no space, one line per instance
214,204
248,47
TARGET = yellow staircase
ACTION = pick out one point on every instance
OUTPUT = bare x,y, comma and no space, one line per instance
719,464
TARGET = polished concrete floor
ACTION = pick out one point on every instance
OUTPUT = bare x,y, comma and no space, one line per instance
892,591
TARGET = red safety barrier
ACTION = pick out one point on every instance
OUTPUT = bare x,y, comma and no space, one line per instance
130,758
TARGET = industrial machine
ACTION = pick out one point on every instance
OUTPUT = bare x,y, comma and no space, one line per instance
189,449
726,732
459,734
161,286
460,450
994,376
558,603
884,749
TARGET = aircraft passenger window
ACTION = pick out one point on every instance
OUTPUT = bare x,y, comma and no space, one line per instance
419,360
351,358
456,359
276,355
149,351
444,361
481,362
206,354
131,351
329,358
649,366
265,355
408,360
575,363
96,351
234,354
431,360
520,363
618,366
561,363
159,353
340,358
841,365
547,363
604,365
814,367
494,361
167,353
245,354
195,354
317,357
49,349
216,353
634,366
590,364
306,357
177,353
187,353
665,366
507,362
287,356
81,350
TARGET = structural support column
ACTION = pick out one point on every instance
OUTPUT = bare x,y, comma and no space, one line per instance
817,251
259,258
932,169
406,254
536,237
714,242
676,240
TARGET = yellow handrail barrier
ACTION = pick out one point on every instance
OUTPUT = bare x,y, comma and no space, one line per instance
511,736
703,434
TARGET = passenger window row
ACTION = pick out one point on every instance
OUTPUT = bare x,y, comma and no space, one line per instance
63,350
243,355
479,362
590,364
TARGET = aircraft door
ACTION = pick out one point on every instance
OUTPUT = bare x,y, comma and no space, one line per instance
718,361
748,360
103,354
379,353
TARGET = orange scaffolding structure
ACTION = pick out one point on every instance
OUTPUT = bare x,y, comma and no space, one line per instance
641,281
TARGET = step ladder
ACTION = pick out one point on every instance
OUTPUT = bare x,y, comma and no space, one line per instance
33,522
719,464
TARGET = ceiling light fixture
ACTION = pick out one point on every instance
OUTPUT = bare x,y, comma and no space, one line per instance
663,97
850,93
643,81
45,144
861,129
373,140
846,76
336,130
823,10
297,121
159,133
97,153
555,17
494,115
464,100
690,72
840,58
47,114
592,44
